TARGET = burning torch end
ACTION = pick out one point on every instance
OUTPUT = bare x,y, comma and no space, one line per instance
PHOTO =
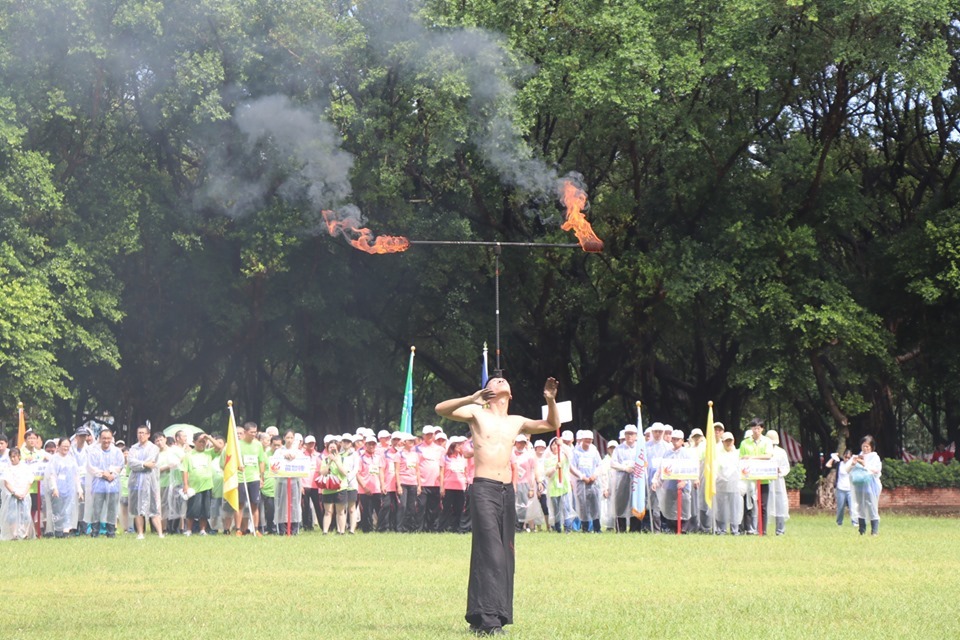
593,246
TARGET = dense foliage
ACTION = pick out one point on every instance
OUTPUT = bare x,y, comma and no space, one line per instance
897,473
775,182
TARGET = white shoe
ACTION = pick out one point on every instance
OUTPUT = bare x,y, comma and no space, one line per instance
202,532
188,533
160,535
139,536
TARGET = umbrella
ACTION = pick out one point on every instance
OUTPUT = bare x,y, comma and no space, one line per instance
188,428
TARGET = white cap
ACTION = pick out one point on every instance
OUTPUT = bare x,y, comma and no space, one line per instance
429,428
439,435
383,434
396,434
407,436
539,444
621,436
612,443
457,439
726,436
361,438
310,439
647,430
327,439
566,435
297,437
696,432
773,435
584,434
676,434
370,439
658,426
520,438
347,436
630,428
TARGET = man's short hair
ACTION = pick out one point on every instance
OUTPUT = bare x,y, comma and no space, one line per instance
249,425
756,422
144,427
4,438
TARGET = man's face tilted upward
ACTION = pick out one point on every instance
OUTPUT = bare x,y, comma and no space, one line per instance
500,386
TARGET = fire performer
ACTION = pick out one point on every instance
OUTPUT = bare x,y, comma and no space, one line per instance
490,587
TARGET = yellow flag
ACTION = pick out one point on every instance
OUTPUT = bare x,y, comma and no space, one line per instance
709,456
22,430
231,457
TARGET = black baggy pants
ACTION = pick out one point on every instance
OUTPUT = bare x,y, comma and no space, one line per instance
490,589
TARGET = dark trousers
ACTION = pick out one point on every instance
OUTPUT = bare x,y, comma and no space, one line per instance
269,511
749,514
452,508
465,519
369,504
310,496
408,506
387,518
490,588
428,509
633,526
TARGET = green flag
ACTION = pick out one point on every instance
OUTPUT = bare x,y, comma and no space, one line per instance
406,418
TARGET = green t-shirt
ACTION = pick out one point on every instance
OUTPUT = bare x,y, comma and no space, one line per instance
199,468
124,475
761,448
335,471
269,487
555,486
251,455
216,472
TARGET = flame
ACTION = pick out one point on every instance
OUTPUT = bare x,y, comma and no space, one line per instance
362,238
575,199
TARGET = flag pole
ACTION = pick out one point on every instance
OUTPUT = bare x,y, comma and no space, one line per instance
759,510
289,504
679,508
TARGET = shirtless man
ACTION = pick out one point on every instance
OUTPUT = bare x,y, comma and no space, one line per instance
492,504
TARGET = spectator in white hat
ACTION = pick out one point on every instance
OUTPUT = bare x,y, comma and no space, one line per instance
431,454
728,502
408,475
778,505
311,493
673,491
453,485
605,475
585,467
622,463
656,449
525,484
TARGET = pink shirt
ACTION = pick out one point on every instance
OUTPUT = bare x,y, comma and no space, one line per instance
368,480
390,470
430,457
455,472
310,481
526,464
468,448
408,466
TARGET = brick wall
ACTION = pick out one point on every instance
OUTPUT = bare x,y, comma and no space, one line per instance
793,498
913,497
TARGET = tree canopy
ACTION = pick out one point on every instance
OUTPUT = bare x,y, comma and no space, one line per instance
775,183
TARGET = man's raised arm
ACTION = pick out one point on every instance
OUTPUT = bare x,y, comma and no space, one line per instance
552,423
463,409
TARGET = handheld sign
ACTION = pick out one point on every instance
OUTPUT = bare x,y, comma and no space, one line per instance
753,469
299,467
564,409
679,469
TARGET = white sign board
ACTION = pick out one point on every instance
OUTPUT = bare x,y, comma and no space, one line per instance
679,469
754,469
565,409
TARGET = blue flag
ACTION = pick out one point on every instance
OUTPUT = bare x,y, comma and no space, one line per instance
484,375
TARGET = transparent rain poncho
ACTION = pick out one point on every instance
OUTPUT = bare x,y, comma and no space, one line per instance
144,483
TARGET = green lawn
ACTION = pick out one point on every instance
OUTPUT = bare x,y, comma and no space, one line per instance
818,581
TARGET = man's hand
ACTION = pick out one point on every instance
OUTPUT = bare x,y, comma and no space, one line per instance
550,389
483,396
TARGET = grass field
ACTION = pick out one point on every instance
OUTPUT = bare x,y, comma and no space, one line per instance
818,581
